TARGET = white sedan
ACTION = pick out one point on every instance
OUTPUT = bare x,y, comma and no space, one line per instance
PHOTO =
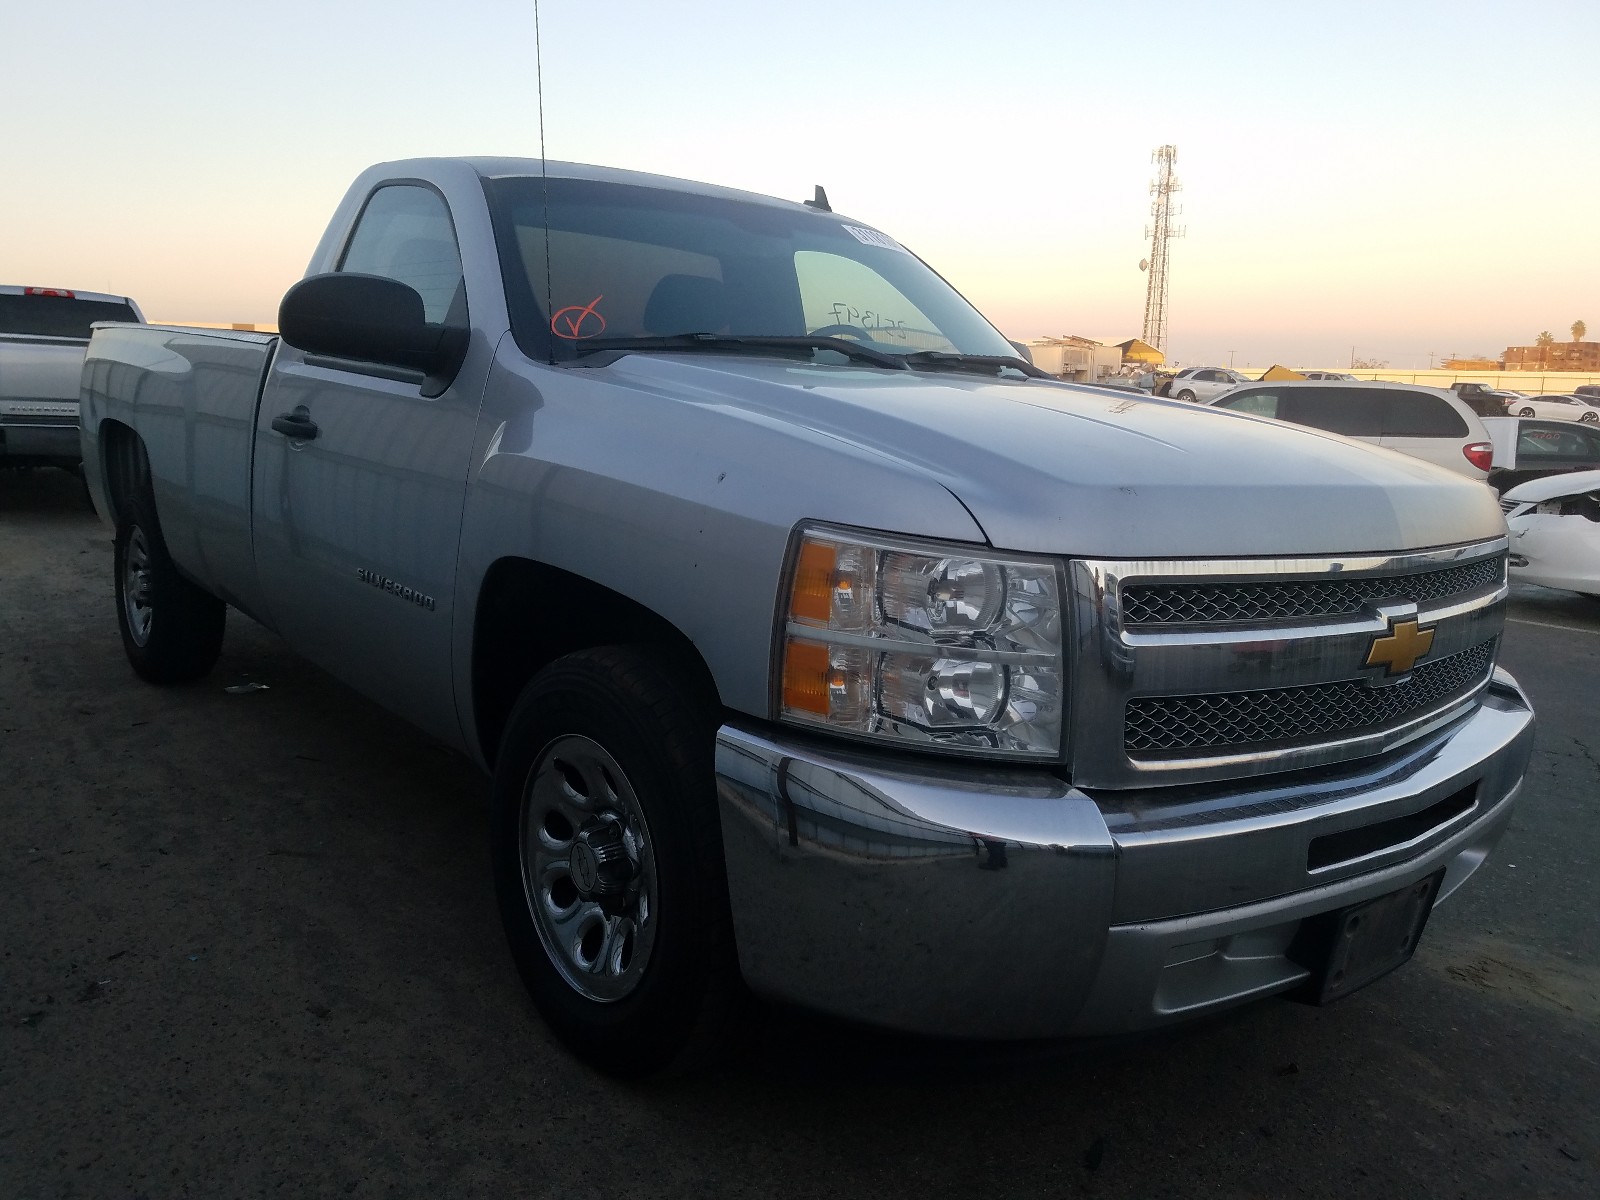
1561,408
1555,531
1204,383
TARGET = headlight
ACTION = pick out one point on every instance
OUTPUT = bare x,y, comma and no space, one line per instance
927,644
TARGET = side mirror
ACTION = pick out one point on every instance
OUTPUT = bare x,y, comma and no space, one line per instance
371,319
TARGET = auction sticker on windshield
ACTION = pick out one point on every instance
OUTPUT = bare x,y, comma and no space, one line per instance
871,237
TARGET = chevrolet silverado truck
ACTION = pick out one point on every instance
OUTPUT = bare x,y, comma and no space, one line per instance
815,644
43,333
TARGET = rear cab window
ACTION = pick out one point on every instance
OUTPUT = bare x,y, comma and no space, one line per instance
839,291
58,316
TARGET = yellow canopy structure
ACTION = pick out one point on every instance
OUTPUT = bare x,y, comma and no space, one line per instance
1277,374
1135,351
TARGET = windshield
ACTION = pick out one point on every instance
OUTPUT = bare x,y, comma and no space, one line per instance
57,316
628,262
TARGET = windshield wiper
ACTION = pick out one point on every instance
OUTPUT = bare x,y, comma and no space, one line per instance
984,362
727,341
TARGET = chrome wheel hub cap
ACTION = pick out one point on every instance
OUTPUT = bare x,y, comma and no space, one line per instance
588,870
136,587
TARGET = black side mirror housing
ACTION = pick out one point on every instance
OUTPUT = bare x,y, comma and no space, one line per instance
371,319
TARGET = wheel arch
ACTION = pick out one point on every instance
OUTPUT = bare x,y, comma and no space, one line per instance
124,465
512,642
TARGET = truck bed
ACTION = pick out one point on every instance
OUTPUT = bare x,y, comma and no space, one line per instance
191,396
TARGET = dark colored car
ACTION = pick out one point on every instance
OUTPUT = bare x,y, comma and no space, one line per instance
1482,399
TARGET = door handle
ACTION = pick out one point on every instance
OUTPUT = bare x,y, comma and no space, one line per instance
297,424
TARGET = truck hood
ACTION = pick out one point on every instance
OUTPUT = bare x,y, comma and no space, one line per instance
1050,468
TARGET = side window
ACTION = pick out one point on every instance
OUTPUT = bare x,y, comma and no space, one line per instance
404,233
835,290
1417,414
1352,412
1262,404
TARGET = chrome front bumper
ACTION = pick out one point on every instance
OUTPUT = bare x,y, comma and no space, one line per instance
932,898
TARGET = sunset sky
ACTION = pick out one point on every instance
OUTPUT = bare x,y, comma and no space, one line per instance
1403,178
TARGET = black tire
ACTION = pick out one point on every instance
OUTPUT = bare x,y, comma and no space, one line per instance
1526,412
1186,396
669,1003
1590,418
171,629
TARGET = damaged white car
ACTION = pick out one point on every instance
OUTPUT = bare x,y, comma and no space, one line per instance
1555,531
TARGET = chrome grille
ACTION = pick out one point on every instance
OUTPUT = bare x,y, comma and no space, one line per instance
1282,600
1210,723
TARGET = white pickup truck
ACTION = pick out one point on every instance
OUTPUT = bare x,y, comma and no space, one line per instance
43,333
815,644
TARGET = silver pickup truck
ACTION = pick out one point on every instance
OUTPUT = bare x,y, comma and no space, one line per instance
815,644
43,333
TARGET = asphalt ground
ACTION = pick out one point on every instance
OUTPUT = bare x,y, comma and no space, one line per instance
248,946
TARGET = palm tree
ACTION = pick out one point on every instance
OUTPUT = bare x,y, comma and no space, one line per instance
1578,330
1544,341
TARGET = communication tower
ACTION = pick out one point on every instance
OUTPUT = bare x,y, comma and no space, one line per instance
1160,231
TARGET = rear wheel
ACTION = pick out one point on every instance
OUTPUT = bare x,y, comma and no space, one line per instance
171,629
608,861
1525,412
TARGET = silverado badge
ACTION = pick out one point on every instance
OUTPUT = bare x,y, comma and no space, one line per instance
1398,650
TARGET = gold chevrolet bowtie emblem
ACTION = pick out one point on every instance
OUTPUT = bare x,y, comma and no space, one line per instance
1398,651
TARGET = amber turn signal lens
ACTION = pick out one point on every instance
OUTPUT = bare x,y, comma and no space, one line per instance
805,677
812,598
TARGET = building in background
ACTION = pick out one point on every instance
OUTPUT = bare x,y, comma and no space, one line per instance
1073,357
1557,356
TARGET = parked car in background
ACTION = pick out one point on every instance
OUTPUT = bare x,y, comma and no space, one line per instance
43,335
1326,375
1424,422
1557,408
1204,383
1530,448
1484,400
1555,531
1589,391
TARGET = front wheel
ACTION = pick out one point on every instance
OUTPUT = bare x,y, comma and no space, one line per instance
608,861
1525,412
171,629
1590,418
1186,395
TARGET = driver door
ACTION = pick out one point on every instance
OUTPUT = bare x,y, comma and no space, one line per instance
357,521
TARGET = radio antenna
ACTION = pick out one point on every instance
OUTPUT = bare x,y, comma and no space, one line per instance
544,174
